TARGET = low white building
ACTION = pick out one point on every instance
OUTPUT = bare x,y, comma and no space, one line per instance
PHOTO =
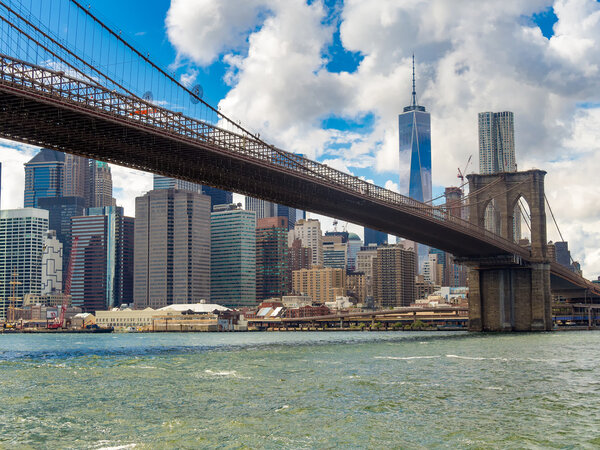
123,318
296,301
143,318
339,303
196,308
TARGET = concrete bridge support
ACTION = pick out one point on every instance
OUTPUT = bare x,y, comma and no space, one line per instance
504,297
505,293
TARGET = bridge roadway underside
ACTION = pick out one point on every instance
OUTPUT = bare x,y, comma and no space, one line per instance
34,119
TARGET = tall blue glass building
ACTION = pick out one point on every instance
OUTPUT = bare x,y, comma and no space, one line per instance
415,137
43,177
375,237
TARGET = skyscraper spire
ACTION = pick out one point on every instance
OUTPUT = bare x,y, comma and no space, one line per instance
414,105
414,91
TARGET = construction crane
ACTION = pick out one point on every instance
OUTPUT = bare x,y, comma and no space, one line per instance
13,285
461,174
60,320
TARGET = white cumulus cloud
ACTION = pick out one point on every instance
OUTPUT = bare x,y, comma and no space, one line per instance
470,58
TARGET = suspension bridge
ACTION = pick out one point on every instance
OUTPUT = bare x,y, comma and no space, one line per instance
70,82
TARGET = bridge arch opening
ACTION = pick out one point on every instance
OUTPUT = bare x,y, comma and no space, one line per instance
521,223
492,217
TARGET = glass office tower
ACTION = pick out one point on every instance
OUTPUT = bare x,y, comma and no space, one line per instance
415,137
233,256
43,177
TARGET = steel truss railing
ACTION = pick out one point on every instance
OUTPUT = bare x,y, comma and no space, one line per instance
64,88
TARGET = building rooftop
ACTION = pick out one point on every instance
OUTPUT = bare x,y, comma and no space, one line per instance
47,155
195,307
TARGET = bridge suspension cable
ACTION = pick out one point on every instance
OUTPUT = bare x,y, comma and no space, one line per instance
81,63
487,199
109,55
524,214
444,194
556,224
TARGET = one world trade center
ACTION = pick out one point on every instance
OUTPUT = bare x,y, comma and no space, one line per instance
415,137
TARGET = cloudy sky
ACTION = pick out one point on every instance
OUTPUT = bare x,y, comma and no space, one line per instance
328,79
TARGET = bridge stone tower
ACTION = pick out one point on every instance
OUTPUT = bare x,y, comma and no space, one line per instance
505,292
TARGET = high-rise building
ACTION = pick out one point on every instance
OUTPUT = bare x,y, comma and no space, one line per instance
563,255
354,246
99,185
343,235
44,177
458,272
335,252
291,214
233,256
551,251
496,142
356,286
364,264
455,275
61,210
76,175
415,137
299,258
375,237
433,269
125,261
172,248
441,275
394,276
309,233
21,246
496,155
454,202
262,208
322,284
0,183
217,196
162,182
272,258
97,274
52,263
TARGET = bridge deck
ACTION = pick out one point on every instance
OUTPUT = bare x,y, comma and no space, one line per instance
49,109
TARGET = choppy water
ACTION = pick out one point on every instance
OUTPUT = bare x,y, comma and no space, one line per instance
300,390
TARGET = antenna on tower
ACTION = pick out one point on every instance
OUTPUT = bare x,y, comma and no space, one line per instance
414,91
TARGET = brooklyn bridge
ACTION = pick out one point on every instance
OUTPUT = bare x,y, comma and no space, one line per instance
56,93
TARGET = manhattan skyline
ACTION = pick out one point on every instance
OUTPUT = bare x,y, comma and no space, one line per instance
362,84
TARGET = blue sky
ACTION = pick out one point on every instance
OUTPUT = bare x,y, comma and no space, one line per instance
145,26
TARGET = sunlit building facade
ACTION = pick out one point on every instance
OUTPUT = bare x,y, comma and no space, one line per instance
22,234
172,248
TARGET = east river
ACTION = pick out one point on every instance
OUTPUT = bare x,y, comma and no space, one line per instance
300,390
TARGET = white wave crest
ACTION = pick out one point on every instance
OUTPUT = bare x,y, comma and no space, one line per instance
225,373
476,358
119,447
408,357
